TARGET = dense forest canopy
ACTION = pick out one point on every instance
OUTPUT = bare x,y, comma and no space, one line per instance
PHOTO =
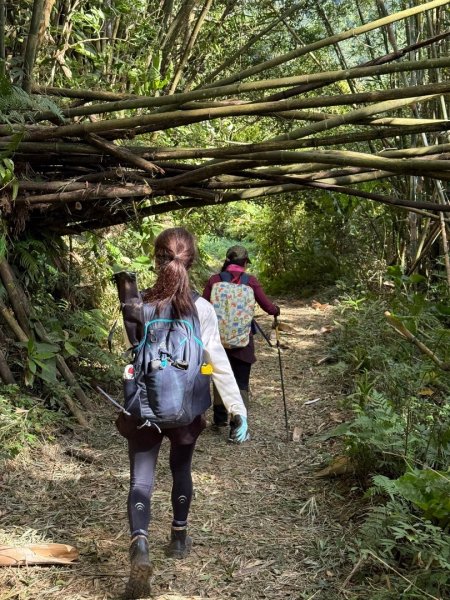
120,110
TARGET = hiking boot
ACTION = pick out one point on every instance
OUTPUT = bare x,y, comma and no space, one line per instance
180,543
138,585
219,426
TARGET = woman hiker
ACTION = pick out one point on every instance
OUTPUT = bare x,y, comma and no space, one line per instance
175,251
233,294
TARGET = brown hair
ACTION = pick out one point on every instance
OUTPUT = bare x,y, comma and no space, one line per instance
175,251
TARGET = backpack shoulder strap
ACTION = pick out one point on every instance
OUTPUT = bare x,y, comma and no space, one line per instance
149,311
225,276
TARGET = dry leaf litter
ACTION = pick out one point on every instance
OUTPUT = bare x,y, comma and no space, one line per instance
263,525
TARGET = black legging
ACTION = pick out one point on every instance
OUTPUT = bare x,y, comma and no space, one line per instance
241,371
143,459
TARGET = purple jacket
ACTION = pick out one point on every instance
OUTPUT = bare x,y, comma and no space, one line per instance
246,354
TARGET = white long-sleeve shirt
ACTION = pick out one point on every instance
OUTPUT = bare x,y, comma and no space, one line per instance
222,375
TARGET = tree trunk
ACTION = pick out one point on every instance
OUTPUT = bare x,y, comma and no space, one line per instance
2,38
32,44
5,372
189,46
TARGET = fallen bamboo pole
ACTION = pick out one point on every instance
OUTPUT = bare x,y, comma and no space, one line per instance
160,153
242,88
404,332
15,297
93,192
269,64
124,154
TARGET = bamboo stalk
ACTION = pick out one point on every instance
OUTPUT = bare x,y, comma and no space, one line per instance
404,332
189,46
2,38
397,202
191,202
158,153
31,47
301,89
88,193
335,157
76,412
337,49
269,64
445,249
434,234
16,298
13,325
353,116
124,154
46,13
5,372
265,84
89,95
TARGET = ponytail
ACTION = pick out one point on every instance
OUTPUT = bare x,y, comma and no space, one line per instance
175,252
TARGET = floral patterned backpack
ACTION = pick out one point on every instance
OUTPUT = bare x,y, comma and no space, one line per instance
234,304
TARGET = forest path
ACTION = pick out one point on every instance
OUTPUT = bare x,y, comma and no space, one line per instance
263,525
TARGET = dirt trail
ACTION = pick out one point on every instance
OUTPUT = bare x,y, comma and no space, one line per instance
263,525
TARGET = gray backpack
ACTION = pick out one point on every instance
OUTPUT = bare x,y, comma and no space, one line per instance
166,387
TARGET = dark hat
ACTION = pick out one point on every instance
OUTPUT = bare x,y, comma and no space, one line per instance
238,253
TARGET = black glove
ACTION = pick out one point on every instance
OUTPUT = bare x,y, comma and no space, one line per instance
277,314
238,430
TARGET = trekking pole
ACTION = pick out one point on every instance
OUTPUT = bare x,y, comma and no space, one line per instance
108,397
277,333
262,332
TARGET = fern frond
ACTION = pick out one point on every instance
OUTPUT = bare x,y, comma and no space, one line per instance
383,485
16,106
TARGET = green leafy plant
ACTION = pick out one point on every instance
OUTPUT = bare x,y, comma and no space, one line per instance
24,420
16,105
41,361
428,490
403,542
399,435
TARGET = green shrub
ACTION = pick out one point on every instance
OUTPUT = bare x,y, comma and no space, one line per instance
398,437
24,420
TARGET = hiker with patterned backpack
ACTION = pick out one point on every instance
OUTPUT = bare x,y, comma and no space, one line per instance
234,294
166,392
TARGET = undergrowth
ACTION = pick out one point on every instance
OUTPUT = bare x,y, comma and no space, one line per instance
398,438
24,421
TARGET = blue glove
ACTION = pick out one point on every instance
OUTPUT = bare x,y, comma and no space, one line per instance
238,430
